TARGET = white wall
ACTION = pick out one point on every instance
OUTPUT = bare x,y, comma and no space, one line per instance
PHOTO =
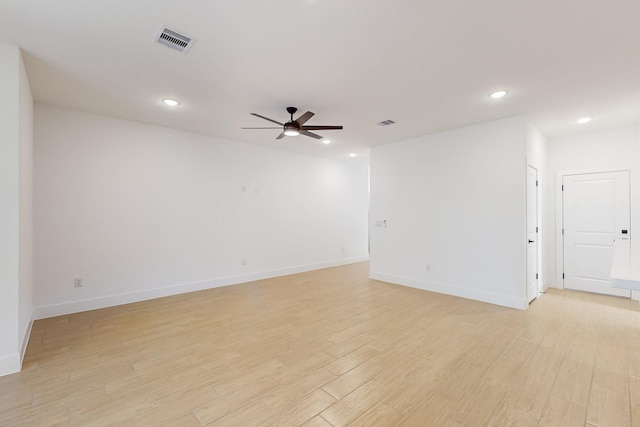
600,151
454,200
536,148
140,211
15,208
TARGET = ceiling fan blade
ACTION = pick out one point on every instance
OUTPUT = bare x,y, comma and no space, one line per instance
311,134
265,128
304,118
267,118
280,136
321,127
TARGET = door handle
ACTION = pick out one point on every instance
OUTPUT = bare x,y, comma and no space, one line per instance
532,241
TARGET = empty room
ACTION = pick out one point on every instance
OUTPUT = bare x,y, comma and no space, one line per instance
319,213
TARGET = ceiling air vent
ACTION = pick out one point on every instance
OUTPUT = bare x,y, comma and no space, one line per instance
174,39
386,122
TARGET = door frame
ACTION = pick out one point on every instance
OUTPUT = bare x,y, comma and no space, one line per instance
560,217
538,234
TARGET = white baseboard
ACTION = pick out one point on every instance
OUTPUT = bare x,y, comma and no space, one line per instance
545,286
441,288
9,364
12,363
70,307
25,339
550,284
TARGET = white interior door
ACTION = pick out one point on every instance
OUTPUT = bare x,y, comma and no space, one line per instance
532,233
596,211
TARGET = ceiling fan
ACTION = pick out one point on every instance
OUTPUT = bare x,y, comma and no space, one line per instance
297,126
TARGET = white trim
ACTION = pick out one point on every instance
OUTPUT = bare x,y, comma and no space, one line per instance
25,339
442,288
9,364
559,226
539,278
130,297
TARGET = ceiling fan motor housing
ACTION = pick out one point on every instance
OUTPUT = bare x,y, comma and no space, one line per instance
292,126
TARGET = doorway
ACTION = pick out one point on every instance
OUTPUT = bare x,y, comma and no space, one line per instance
596,211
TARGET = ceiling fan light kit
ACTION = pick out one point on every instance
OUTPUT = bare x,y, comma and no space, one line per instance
295,127
291,129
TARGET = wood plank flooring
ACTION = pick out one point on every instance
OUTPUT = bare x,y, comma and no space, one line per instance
332,348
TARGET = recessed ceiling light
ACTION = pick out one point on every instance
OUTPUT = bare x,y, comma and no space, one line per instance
352,155
498,94
326,141
170,102
584,120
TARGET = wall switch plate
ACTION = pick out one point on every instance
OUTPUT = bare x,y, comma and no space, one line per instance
77,282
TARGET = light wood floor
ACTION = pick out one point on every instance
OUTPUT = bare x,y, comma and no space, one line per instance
332,347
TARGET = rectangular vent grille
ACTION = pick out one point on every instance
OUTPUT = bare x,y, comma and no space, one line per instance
386,122
174,40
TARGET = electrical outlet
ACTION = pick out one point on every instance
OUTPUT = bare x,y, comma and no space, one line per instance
243,261
77,282
427,267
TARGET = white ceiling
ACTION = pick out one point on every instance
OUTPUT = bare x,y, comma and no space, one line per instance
428,65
